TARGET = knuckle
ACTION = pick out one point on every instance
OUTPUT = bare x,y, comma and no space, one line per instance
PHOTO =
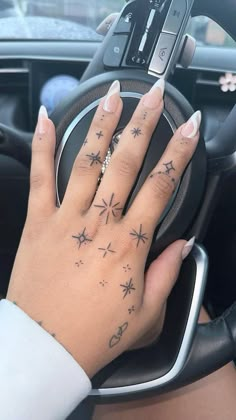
126,166
37,181
162,186
82,166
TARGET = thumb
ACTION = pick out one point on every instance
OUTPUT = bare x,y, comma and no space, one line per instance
163,273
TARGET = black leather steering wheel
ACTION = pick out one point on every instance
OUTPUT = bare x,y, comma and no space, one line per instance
186,350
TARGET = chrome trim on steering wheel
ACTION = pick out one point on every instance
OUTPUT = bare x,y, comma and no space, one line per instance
201,260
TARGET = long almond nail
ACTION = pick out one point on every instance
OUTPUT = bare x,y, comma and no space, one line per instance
188,248
191,128
112,98
42,118
155,95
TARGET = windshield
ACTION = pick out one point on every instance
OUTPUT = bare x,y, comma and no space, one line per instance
72,20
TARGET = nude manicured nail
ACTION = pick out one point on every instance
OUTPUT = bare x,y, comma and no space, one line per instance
42,118
155,95
188,248
191,128
112,98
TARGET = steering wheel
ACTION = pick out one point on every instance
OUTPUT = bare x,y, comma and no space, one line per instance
145,42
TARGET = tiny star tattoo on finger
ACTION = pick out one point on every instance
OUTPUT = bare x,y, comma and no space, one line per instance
106,250
127,287
99,134
82,238
95,158
132,309
139,236
136,132
109,208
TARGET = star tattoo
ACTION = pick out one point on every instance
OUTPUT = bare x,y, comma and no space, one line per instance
109,208
127,287
99,134
82,238
106,250
139,236
94,158
136,132
169,167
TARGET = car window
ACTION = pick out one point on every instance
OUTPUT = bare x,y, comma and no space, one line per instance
209,33
78,19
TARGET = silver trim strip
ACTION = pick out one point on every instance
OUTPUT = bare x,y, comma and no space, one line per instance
79,117
201,260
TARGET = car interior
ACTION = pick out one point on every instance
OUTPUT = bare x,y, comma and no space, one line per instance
141,41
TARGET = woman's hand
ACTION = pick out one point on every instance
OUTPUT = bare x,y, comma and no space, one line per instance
79,270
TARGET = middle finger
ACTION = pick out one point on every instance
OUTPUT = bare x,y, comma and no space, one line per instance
127,159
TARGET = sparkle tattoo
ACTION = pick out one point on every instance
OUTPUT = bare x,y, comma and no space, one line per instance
128,287
169,167
99,135
139,236
109,208
115,339
106,250
82,238
136,132
94,158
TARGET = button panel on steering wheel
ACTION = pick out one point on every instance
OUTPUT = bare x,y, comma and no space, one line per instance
151,40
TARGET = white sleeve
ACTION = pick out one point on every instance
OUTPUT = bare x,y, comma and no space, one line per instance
39,379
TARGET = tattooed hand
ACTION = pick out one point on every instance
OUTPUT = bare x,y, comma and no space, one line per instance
79,270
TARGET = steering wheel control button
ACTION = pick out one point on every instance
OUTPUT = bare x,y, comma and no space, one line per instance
115,51
162,53
175,17
124,25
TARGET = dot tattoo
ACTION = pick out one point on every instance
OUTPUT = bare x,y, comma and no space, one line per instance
127,287
139,236
53,335
132,309
144,115
127,268
99,135
136,132
79,263
102,117
82,238
85,142
115,339
109,208
103,283
95,158
40,323
169,167
106,250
